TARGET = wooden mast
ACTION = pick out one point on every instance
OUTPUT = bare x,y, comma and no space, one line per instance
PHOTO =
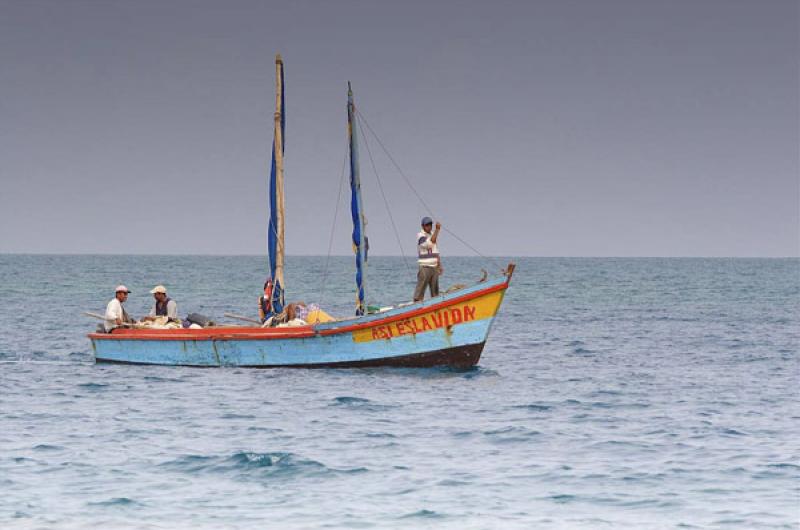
360,243
279,258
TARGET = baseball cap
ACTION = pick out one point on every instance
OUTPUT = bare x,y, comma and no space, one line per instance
159,289
426,221
121,288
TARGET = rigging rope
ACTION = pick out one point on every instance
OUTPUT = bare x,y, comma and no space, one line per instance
333,229
385,200
421,200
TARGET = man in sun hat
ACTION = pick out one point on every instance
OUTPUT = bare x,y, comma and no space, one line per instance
430,266
163,306
115,313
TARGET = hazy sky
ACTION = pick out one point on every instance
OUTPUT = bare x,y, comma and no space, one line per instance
544,128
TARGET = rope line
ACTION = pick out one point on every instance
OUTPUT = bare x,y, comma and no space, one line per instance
385,200
396,165
491,260
333,230
421,200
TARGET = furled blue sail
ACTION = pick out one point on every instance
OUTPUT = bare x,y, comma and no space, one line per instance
275,240
360,244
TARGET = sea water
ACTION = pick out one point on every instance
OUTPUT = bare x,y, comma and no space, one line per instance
612,393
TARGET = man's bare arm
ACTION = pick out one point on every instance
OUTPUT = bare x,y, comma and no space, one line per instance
436,232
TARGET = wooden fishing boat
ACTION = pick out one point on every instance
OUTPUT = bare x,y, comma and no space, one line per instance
447,330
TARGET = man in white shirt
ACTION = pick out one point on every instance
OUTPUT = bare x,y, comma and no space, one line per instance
430,265
163,306
115,313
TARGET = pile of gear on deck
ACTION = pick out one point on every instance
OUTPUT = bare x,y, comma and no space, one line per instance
293,315
297,314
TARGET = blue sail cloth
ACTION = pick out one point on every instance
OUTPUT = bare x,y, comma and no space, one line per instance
360,245
272,236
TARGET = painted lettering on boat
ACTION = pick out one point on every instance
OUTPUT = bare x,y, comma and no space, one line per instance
411,326
446,317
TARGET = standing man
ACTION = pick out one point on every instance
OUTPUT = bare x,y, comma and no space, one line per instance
430,265
115,313
163,306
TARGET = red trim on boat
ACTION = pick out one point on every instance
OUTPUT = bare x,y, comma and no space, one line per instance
215,333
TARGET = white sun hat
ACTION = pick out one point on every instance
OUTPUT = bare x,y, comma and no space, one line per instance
159,289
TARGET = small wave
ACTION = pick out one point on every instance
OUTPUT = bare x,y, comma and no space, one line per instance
252,465
511,434
635,405
621,443
349,400
380,435
643,503
234,416
361,404
476,372
606,393
238,461
256,428
732,432
735,471
534,407
731,522
157,379
116,502
94,387
565,498
784,465
562,498
189,463
423,514
452,482
47,447
463,434
257,460
469,372
672,319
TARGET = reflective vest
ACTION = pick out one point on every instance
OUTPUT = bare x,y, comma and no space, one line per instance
427,251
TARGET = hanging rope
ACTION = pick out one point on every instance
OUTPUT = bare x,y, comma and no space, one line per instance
333,229
383,194
363,119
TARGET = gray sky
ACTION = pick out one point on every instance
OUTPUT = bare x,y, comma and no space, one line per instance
558,128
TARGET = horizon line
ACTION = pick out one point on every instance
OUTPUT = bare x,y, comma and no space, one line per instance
499,256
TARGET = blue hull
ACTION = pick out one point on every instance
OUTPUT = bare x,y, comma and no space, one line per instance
463,347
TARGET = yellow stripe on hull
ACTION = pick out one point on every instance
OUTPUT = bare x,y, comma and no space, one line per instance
479,308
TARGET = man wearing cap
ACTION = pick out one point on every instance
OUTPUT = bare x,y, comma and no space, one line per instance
115,313
430,266
163,306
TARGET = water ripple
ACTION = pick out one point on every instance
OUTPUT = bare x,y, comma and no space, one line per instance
612,393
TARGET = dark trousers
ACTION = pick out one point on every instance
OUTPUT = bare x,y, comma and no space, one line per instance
427,276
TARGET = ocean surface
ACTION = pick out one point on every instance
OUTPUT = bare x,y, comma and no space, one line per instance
612,393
